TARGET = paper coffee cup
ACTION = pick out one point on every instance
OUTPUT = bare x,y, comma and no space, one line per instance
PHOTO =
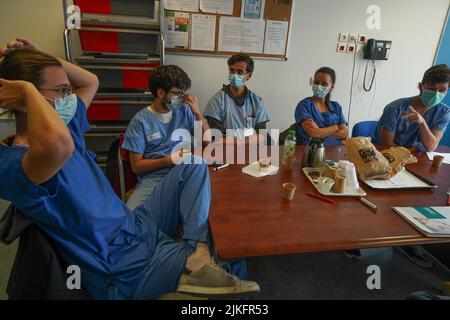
437,161
339,185
289,162
264,165
288,191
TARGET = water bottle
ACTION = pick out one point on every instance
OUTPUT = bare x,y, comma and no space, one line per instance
289,145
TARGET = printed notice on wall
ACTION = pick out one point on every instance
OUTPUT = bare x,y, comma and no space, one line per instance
241,35
181,5
176,29
276,36
217,6
253,9
203,32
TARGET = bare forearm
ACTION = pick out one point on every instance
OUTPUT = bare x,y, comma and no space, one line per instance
206,133
46,129
322,132
79,77
149,165
427,137
341,134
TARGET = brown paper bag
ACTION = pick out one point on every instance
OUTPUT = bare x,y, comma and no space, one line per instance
398,157
369,162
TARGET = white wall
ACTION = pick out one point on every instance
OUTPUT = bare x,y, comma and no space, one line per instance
42,21
414,26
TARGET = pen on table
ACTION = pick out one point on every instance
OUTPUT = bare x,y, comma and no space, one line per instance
369,204
320,197
222,167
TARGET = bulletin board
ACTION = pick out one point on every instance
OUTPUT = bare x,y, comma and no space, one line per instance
276,13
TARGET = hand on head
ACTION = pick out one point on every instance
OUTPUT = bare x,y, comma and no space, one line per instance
17,44
11,94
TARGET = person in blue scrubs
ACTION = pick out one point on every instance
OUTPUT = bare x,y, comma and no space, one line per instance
421,121
418,122
236,111
318,116
50,176
152,149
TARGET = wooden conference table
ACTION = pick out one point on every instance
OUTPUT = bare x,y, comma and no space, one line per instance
249,218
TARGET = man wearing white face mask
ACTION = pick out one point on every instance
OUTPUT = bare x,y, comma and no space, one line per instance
149,134
418,122
235,106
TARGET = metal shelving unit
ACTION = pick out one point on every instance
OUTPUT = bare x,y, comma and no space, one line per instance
122,45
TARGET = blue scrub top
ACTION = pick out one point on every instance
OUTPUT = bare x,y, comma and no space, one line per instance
224,109
306,109
90,226
148,135
407,134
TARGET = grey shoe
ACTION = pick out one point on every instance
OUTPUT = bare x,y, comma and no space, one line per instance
211,280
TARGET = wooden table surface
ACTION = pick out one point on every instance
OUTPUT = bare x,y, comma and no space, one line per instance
249,218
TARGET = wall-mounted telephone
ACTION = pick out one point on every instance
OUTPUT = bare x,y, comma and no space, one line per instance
377,49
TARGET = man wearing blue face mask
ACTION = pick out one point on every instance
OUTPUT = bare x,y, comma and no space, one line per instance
235,106
48,174
149,135
418,122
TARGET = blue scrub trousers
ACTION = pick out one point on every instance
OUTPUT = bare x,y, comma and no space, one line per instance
143,190
183,197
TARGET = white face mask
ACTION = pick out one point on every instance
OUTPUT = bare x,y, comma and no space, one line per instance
66,107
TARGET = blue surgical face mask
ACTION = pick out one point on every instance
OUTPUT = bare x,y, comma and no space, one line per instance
176,102
236,80
66,107
432,98
320,91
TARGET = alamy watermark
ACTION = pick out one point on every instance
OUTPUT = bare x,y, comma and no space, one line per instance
374,280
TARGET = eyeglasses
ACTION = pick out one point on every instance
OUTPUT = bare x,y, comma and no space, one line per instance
178,93
64,90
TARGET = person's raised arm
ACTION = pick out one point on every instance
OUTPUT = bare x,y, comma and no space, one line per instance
84,82
51,143
430,138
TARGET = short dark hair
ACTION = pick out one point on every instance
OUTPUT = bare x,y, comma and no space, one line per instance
437,74
168,77
242,57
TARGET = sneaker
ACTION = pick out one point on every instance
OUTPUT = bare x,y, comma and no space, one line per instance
416,255
212,280
353,254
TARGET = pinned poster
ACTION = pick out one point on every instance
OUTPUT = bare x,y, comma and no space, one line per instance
253,9
181,5
176,30
241,35
217,6
276,37
203,32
